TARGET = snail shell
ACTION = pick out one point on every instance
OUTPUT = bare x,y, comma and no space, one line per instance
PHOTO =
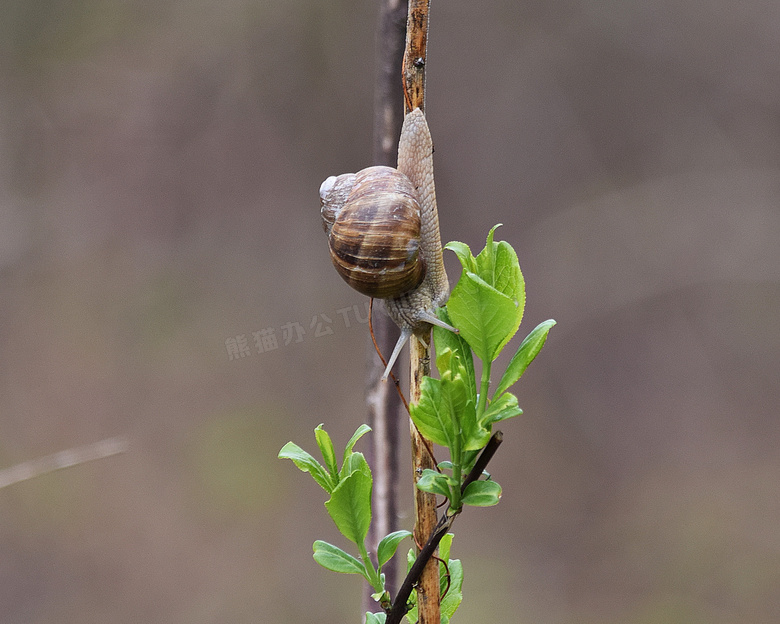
373,223
383,234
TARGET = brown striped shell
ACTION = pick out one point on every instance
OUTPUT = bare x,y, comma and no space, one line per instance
373,223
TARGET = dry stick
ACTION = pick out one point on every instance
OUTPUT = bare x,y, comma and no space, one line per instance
62,459
382,402
425,503
415,54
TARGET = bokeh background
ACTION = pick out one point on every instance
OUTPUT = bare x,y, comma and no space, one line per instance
159,167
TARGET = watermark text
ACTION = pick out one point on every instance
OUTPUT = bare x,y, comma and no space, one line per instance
273,338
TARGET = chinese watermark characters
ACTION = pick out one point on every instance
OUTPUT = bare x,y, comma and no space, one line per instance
269,339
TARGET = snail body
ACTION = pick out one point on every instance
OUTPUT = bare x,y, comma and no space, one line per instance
383,233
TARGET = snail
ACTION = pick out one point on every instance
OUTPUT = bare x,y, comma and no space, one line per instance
383,234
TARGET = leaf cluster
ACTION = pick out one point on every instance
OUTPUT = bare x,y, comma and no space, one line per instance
349,506
455,410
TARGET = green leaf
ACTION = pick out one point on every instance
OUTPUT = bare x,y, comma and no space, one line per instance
444,546
431,415
485,262
410,557
463,252
451,602
376,618
434,482
526,353
456,397
382,595
461,351
359,433
454,596
505,406
486,318
327,450
355,462
389,544
411,616
482,494
350,506
498,265
474,435
307,463
333,558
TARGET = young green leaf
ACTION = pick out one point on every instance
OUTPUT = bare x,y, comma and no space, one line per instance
359,433
486,259
473,435
333,558
327,450
456,396
482,494
486,317
355,462
454,596
307,463
488,321
463,252
461,351
431,415
505,406
526,353
389,544
434,482
451,601
350,506
509,280
498,265
445,545
376,618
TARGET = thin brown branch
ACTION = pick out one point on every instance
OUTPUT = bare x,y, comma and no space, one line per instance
426,520
415,54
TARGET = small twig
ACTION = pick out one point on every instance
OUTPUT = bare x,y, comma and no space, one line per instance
62,459
399,607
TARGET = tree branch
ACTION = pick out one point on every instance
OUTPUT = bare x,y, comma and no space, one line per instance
413,76
415,54
399,607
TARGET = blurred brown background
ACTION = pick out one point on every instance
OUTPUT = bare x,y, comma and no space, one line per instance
159,167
